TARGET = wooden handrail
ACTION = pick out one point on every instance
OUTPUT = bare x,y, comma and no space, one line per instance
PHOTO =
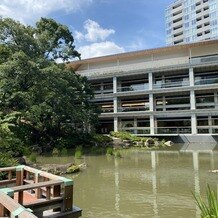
15,209
5,169
56,191
36,185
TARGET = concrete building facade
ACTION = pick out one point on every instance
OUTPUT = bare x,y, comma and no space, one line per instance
169,91
191,21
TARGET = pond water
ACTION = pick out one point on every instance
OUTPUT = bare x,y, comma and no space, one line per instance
143,183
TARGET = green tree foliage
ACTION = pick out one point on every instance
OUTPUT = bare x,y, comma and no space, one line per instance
46,104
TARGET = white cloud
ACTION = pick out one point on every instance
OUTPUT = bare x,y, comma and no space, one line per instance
94,32
100,49
28,11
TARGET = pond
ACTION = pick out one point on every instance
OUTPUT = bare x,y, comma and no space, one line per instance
143,183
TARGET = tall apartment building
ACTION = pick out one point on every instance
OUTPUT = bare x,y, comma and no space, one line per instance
191,21
169,91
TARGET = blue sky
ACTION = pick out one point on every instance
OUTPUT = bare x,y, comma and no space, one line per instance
100,27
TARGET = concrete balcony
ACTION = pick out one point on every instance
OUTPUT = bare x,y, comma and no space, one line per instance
208,129
205,60
206,81
173,130
171,85
178,16
133,109
132,88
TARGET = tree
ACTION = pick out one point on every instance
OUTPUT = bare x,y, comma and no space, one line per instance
52,103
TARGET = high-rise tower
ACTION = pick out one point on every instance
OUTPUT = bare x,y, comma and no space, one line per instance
191,21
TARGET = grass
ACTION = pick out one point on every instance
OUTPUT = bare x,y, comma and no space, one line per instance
78,153
209,209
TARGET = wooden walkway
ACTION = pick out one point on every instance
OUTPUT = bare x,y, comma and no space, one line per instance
28,193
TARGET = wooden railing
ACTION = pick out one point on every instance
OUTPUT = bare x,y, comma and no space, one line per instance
48,191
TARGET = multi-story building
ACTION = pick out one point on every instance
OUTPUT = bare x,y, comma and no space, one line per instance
169,91
191,21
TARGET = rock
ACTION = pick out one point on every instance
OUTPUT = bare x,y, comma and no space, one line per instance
138,144
22,160
149,142
56,169
156,143
73,169
213,171
37,149
168,143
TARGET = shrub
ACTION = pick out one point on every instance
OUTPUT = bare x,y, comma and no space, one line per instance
32,157
125,136
209,208
117,154
110,151
6,160
55,152
101,140
78,152
64,152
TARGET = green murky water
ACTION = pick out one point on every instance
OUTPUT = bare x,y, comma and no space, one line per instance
143,184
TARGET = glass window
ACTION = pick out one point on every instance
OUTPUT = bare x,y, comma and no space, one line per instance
213,23
186,17
213,14
193,7
187,39
186,25
193,22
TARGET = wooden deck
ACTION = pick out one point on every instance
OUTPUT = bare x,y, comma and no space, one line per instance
28,193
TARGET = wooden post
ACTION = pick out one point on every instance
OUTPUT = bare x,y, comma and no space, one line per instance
9,175
68,198
19,181
48,193
57,193
38,191
68,194
2,211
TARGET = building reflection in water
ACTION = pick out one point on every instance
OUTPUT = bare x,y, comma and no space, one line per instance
196,178
154,160
154,182
117,194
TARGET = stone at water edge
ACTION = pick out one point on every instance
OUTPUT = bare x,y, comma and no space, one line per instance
168,143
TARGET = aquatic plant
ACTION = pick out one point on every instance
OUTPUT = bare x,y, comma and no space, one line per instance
78,152
209,209
64,152
110,151
33,157
55,152
117,154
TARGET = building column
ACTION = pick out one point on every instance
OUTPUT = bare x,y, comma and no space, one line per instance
151,102
192,100
152,124
102,88
114,84
150,81
210,124
115,124
194,124
115,104
191,77
216,99
164,103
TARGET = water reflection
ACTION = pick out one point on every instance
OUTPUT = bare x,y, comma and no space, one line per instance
144,184
154,182
196,178
116,175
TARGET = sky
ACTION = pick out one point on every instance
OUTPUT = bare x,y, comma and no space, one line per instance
99,27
